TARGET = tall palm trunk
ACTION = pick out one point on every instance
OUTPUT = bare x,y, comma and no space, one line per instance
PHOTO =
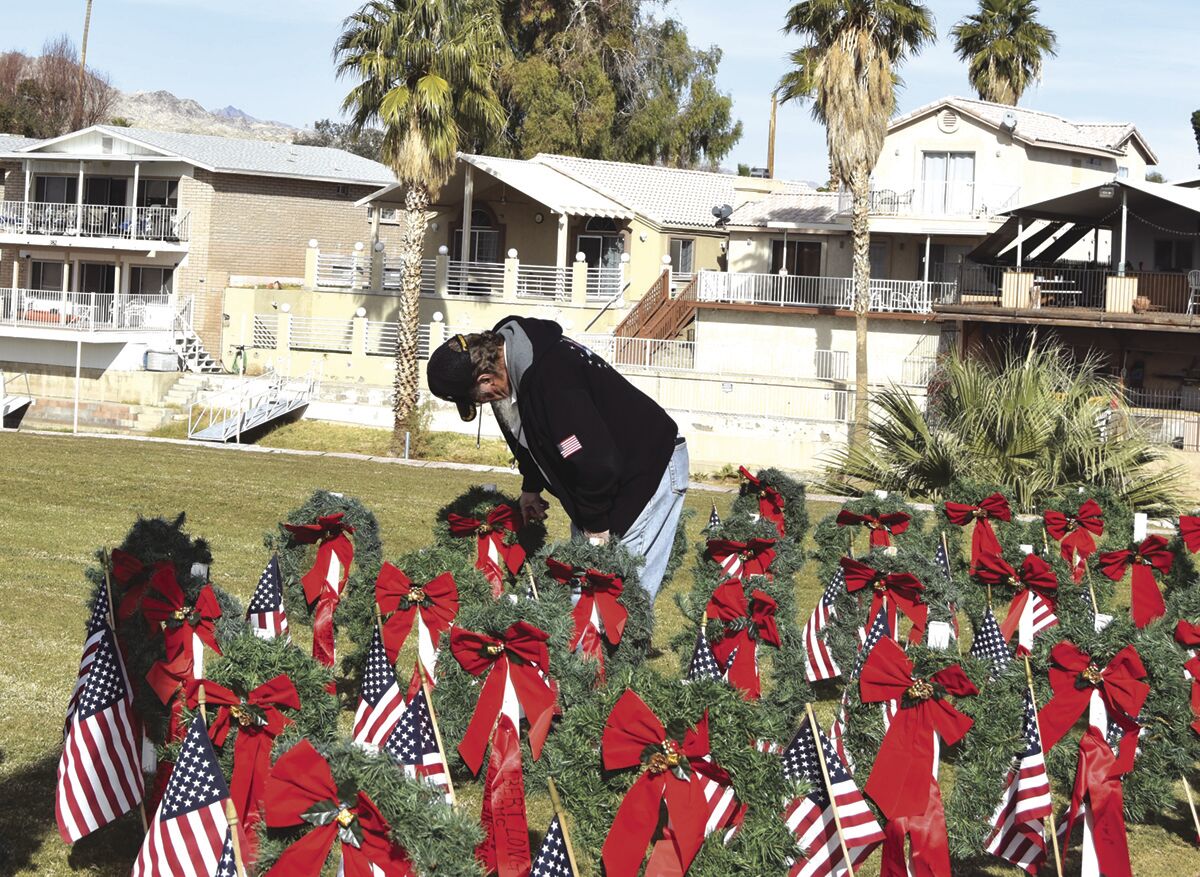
412,247
87,23
860,182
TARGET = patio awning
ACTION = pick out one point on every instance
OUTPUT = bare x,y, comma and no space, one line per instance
1101,205
540,182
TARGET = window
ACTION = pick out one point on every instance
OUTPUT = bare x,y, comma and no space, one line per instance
485,238
1173,255
1123,172
341,189
158,193
948,182
683,255
879,258
46,275
55,190
602,248
387,215
803,258
148,280
106,144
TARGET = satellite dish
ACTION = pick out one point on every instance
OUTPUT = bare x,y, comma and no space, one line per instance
722,212
1009,122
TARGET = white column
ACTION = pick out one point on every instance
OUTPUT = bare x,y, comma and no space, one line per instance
16,282
25,221
79,201
1020,234
560,254
137,173
927,260
468,206
1124,229
117,298
78,368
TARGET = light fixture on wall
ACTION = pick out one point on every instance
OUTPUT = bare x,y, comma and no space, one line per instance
539,218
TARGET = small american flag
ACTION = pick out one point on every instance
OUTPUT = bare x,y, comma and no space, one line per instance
1018,834
99,778
703,665
722,808
265,613
837,732
714,520
190,833
570,445
942,559
1037,615
989,644
380,704
552,859
414,745
818,662
811,818
97,624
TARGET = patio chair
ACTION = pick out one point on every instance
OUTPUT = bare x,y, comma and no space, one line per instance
1193,290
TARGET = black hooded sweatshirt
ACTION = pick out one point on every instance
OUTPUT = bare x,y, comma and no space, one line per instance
596,442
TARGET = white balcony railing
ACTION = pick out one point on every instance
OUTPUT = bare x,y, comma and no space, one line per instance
908,296
475,278
831,365
944,199
642,352
165,224
545,282
86,311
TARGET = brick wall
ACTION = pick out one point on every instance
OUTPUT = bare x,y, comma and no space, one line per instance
13,190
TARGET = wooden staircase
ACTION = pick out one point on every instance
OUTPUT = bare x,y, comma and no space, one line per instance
659,315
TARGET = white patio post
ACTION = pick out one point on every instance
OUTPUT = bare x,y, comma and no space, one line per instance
116,303
1124,229
79,202
468,206
25,218
579,280
133,208
926,278
62,312
78,369
1020,247
560,250
512,269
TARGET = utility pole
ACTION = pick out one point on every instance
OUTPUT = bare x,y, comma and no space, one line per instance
770,135
87,23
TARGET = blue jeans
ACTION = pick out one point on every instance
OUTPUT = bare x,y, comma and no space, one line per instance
652,534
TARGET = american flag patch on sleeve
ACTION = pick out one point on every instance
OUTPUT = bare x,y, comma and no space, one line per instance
569,446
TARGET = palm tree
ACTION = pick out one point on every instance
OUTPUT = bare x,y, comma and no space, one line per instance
87,24
1034,421
1003,45
848,67
426,76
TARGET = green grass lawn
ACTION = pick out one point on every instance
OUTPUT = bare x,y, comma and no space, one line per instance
64,497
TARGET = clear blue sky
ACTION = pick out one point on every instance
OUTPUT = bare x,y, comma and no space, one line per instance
1118,62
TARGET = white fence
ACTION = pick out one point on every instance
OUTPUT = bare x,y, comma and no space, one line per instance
643,352
265,331
788,290
85,311
945,198
343,270
832,365
545,282
381,338
321,333
475,278
161,223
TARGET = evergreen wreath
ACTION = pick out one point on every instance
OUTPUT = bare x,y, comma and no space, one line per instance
439,839
477,502
356,608
1183,582
615,559
151,540
592,795
679,547
795,507
834,541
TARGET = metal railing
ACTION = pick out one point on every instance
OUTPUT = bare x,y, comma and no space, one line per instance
343,270
160,223
475,278
265,333
648,353
603,283
908,296
86,311
1071,285
832,365
237,402
941,198
544,282
393,274
332,334
917,371
1167,417
381,338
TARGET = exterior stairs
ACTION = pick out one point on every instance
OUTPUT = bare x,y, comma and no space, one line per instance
658,315
189,346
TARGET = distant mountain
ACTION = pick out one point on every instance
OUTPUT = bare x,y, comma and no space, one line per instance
163,111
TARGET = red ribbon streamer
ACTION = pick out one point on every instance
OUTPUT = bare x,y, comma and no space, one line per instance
1073,678
300,779
742,559
495,558
1146,601
1098,779
629,733
169,677
505,847
328,532
1036,576
983,537
518,655
881,527
770,500
1075,532
902,591
1189,531
600,591
252,749
401,600
930,848
728,604
899,781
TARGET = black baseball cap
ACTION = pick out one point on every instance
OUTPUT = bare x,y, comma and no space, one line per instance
451,375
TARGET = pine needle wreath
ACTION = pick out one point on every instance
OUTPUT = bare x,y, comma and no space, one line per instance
591,795
151,540
477,502
356,607
795,507
612,558
439,839
679,547
834,541
1183,582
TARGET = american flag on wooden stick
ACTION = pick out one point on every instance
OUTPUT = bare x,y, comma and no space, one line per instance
989,644
1018,834
266,614
190,835
811,817
880,628
98,623
703,664
413,743
551,859
818,661
380,703
714,520
99,778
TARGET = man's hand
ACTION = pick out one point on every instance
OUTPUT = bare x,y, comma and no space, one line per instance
600,538
533,507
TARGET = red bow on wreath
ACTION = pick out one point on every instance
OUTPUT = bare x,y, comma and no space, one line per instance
497,558
882,527
323,584
770,500
983,537
132,578
1188,636
598,612
432,607
1146,602
899,782
259,722
745,625
1074,532
675,773
519,657
1036,584
742,559
301,790
898,590
1073,678
169,677
1189,531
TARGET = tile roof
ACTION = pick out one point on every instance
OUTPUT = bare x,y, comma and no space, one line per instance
11,142
550,186
1035,126
667,196
265,157
790,208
